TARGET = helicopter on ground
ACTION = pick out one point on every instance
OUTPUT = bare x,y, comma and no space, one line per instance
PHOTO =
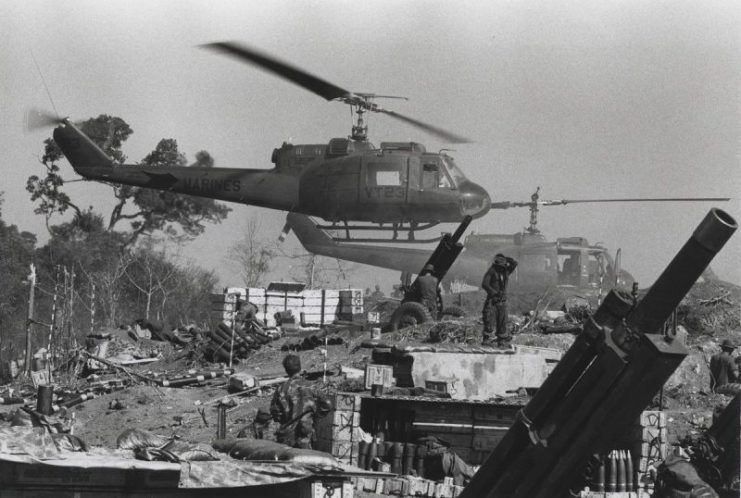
570,265
398,187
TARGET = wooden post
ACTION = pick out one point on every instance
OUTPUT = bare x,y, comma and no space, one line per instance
92,307
29,319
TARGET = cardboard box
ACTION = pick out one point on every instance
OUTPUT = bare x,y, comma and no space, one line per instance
347,402
379,374
651,418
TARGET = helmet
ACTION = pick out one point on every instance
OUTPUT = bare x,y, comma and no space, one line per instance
429,267
727,344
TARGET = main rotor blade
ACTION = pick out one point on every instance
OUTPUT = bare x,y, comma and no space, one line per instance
432,130
563,202
283,69
557,202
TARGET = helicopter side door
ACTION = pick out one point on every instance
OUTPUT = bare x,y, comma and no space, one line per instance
384,181
339,196
536,267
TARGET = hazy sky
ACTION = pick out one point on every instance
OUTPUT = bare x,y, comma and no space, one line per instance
586,99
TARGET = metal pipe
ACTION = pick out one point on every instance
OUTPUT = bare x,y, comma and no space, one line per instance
43,400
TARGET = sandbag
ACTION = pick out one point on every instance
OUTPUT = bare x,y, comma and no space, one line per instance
131,439
677,478
261,449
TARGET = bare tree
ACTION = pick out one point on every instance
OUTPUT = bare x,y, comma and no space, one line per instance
111,290
253,254
151,272
319,271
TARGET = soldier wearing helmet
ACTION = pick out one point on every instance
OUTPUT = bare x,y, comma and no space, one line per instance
495,307
722,367
426,289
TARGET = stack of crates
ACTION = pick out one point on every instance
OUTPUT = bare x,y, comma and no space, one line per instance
223,308
648,445
339,433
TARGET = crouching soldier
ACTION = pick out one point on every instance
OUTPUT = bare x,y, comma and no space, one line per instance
441,462
295,406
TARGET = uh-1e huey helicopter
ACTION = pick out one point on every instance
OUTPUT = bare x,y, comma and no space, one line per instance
569,265
397,187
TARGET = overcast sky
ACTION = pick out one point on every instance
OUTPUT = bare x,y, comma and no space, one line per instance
583,98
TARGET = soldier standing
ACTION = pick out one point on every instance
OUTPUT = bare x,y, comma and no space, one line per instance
495,307
722,367
296,405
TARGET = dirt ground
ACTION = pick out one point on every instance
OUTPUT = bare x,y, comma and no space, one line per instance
176,411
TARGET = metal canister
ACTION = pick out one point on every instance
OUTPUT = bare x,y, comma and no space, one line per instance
362,454
221,421
410,451
397,455
419,463
43,399
388,451
372,453
381,450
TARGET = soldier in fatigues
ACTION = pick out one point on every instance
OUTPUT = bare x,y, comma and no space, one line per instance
426,289
722,367
495,307
295,405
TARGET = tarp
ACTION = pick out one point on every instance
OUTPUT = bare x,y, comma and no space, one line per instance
29,457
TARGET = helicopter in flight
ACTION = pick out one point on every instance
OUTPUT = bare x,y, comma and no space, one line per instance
570,265
398,187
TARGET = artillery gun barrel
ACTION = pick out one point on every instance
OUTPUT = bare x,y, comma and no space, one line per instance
686,267
448,249
601,385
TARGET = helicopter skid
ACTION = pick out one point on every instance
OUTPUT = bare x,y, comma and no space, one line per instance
396,228
380,240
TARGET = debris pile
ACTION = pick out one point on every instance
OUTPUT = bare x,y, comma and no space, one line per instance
312,341
711,308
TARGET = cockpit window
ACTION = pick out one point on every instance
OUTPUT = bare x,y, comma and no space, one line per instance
455,172
435,174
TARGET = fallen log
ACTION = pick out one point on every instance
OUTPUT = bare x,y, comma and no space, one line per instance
119,367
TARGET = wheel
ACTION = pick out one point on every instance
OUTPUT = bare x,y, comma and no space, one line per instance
453,312
409,314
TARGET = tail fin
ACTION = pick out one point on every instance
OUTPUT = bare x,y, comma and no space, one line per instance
312,238
79,149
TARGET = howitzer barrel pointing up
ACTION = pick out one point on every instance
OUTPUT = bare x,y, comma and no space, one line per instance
708,238
603,382
444,255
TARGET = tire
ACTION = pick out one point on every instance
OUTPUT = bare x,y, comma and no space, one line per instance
409,314
453,312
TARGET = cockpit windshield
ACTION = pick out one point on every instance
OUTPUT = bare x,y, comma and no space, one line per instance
453,170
